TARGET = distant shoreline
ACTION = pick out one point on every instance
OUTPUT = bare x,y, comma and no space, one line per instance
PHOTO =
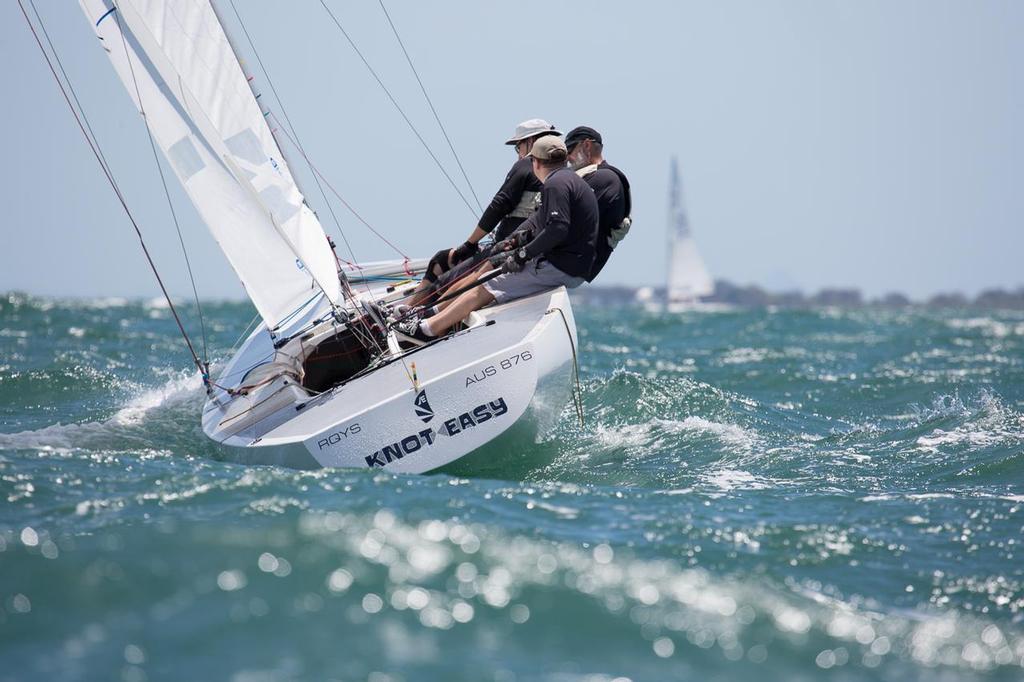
726,293
753,296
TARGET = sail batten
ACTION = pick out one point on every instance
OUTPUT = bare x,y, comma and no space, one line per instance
688,277
179,68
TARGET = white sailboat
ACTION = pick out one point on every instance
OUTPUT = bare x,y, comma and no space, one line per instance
688,278
311,386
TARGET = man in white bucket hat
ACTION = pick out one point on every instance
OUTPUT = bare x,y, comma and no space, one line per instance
514,202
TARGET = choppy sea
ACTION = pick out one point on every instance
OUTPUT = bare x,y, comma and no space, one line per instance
755,494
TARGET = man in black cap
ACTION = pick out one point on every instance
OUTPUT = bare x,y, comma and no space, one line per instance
559,250
611,187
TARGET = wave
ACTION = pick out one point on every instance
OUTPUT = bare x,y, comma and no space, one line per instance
181,389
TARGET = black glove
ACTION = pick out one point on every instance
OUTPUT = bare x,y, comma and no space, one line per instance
437,266
521,237
511,242
461,253
515,261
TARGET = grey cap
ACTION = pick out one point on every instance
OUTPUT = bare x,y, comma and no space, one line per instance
532,128
547,147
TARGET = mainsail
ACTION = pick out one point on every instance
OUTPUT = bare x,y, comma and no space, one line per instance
182,73
688,278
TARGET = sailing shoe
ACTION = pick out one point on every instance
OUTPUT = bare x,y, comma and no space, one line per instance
409,332
376,312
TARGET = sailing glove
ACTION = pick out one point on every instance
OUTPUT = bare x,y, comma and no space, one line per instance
513,241
437,266
461,253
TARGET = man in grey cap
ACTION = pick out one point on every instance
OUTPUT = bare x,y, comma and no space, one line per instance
559,250
514,202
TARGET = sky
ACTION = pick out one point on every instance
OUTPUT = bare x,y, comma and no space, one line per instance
874,144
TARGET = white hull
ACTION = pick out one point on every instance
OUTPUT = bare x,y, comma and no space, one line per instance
511,367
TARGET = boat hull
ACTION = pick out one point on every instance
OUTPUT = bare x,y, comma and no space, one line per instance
491,391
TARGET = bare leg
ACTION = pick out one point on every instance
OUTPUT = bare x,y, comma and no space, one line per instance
459,308
422,293
464,282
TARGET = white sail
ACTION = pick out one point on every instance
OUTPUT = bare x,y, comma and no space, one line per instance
203,115
688,277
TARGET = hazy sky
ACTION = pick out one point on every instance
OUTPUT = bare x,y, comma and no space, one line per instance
870,144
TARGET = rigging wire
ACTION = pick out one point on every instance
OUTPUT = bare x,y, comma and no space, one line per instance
437,118
397,106
94,147
53,49
294,139
284,111
167,193
335,192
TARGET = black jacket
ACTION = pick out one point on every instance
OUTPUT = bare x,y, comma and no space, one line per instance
564,229
520,179
611,188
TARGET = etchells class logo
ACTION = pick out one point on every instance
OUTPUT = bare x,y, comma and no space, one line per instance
423,410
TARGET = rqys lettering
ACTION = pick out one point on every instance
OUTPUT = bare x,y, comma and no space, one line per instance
335,438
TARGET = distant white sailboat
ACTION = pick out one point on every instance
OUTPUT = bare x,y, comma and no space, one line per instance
688,278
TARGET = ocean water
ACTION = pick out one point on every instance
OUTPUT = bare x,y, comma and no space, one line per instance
770,495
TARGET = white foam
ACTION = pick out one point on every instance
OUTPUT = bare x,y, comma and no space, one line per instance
653,431
991,423
729,433
62,437
733,479
176,390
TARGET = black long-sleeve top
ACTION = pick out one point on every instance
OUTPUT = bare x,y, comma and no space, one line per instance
520,179
565,226
611,188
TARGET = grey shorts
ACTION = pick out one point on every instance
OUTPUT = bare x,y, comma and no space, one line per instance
533,278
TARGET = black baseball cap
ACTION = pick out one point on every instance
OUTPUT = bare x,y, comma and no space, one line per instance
580,133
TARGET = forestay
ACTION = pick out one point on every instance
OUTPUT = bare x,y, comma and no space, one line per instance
203,115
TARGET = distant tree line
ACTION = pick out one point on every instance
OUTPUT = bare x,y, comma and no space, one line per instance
753,296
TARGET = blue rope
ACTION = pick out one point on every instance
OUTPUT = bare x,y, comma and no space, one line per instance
106,14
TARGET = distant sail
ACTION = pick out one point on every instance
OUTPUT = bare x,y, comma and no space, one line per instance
205,118
688,278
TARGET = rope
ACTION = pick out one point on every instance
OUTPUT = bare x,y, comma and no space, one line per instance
110,178
437,118
400,110
167,193
339,197
577,394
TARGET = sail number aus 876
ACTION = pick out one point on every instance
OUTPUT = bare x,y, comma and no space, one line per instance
490,370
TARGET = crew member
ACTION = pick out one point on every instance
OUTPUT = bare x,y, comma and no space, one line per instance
560,252
611,187
517,198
